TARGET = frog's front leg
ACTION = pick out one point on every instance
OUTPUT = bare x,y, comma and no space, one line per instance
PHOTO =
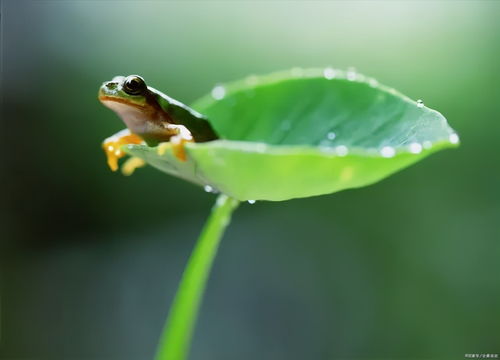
177,141
112,146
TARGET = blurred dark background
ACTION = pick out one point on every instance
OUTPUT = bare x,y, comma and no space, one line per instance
90,260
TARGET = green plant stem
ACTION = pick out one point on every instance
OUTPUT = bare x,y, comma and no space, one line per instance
178,331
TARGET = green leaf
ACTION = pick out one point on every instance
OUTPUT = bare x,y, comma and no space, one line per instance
304,133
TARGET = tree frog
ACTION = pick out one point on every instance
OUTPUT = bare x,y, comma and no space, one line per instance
151,117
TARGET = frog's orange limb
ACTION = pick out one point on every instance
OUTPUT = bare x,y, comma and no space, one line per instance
131,165
183,136
162,148
112,146
178,147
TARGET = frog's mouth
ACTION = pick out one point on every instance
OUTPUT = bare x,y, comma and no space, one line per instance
139,118
112,102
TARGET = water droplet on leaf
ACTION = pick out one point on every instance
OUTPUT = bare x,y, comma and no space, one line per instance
208,189
454,139
331,135
420,103
218,92
351,74
415,148
373,82
329,73
251,202
387,151
341,150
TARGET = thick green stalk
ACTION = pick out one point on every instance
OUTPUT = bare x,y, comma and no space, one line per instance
178,331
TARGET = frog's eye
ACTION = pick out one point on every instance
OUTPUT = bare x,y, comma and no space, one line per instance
134,85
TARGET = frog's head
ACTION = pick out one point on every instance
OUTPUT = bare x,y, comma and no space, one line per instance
130,90
132,101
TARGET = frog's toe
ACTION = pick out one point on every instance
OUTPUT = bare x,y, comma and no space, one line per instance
112,146
178,148
113,153
113,164
162,148
131,165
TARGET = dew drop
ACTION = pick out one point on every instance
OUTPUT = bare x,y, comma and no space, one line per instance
415,148
218,92
351,74
420,103
329,73
208,189
118,152
111,148
454,139
220,201
341,150
373,82
387,151
331,135
251,202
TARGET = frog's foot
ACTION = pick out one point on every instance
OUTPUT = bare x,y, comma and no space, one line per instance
131,165
177,141
112,146
113,153
178,149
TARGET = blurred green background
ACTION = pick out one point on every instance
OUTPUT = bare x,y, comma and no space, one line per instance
406,268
